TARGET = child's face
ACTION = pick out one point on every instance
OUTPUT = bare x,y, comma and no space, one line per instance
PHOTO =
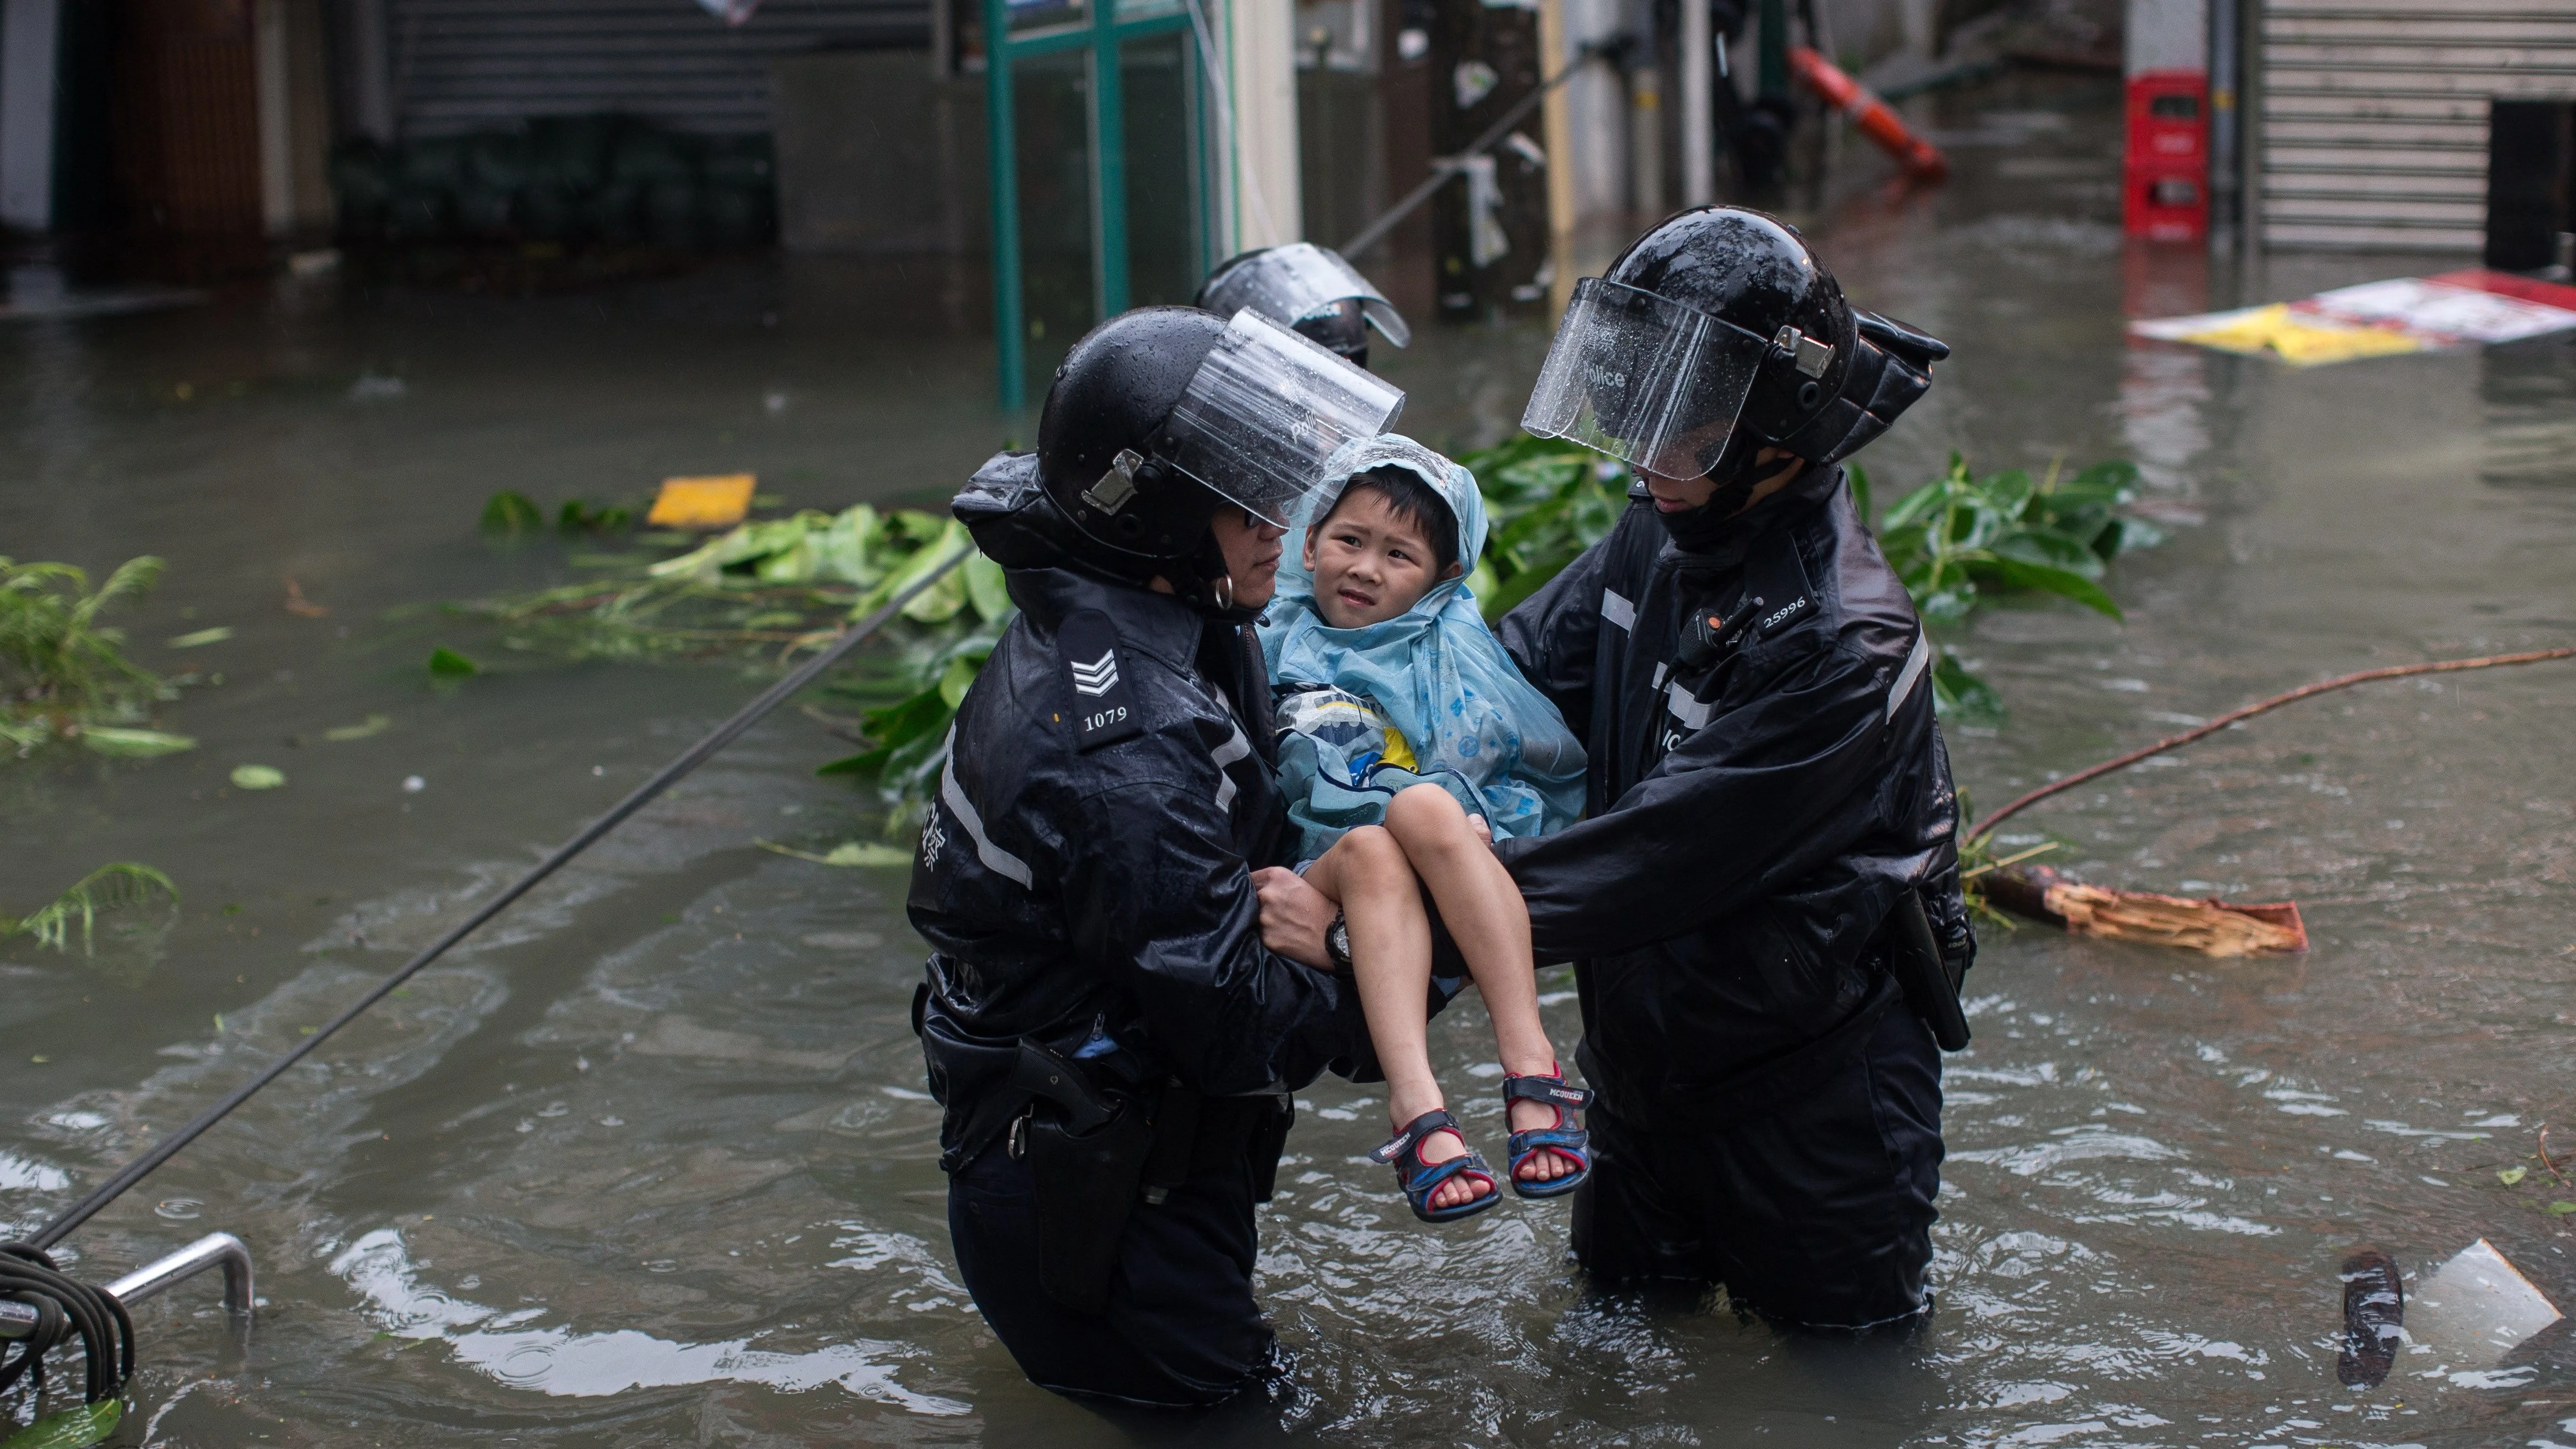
1370,562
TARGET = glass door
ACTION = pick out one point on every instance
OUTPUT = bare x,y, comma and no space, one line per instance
1099,169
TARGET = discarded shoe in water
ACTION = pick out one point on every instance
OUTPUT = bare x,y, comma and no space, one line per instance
2374,1317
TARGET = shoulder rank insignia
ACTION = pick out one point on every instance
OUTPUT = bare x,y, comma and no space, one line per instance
1104,709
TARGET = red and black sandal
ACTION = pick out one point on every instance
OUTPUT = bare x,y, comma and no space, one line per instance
1419,1179
1571,1143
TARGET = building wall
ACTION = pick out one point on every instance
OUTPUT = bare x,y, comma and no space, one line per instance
459,65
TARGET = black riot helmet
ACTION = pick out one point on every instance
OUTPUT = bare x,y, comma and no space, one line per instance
1714,335
1310,289
1157,418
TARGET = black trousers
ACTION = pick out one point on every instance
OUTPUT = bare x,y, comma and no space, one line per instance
1816,1213
1182,1327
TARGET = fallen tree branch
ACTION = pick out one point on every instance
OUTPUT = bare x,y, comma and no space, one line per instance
2395,671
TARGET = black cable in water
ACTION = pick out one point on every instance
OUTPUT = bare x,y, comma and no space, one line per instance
696,755
61,1310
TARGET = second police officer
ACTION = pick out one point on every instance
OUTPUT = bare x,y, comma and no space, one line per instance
1110,1039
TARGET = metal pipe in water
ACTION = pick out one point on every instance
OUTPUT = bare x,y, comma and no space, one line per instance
211,1251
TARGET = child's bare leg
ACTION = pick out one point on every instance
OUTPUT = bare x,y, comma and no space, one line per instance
1485,914
1366,875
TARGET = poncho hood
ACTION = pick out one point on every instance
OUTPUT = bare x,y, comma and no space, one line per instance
1473,724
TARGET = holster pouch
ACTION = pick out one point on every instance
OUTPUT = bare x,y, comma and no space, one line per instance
1268,1139
1923,971
1086,1149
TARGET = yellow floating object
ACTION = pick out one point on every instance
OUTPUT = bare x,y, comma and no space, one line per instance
717,501
2301,339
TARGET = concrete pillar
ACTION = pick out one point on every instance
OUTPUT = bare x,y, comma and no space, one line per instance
30,42
1261,50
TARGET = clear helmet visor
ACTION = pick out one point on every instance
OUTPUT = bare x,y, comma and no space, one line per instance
1264,414
1291,283
1650,382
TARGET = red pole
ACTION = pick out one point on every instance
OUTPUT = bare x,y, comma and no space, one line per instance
1921,159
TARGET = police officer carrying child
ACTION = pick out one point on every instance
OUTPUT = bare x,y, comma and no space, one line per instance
1763,902
1111,1041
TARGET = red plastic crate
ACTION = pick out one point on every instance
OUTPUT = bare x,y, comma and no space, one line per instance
2165,190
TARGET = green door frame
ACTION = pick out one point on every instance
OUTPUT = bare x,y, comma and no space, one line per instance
1102,33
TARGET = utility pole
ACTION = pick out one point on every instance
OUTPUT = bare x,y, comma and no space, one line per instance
1699,121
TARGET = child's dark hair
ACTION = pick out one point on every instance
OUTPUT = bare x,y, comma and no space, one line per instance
1414,501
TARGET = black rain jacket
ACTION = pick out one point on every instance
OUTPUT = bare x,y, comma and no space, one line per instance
1754,812
1101,897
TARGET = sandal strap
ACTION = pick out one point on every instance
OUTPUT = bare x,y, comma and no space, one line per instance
1407,1142
1548,1091
1571,1141
1422,1178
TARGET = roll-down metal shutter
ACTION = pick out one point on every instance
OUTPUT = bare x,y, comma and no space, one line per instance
2374,113
457,65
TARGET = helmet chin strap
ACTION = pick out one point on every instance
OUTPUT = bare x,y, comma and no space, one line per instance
1701,527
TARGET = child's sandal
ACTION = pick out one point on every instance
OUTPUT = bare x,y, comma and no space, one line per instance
1419,1179
1572,1143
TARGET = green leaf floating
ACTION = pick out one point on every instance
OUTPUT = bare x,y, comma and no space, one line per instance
70,1429
510,512
446,663
257,777
133,744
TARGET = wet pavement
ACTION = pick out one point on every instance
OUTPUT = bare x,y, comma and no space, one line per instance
650,1161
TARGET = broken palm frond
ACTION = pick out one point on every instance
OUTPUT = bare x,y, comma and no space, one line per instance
2394,671
776,588
1955,541
105,889
2209,926
61,671
1961,539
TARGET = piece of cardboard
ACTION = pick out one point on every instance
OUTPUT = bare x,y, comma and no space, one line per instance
715,501
2475,1309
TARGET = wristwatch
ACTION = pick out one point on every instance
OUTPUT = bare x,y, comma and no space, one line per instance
1337,944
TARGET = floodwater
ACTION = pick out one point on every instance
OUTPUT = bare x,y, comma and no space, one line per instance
650,1161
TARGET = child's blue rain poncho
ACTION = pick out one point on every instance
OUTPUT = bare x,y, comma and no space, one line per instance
1427,695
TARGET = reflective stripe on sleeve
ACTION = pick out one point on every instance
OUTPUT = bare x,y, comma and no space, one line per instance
1236,747
1618,611
997,860
1907,677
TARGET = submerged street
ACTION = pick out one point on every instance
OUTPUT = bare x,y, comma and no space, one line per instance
651,1160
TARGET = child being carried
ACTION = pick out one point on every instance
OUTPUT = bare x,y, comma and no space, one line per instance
1407,737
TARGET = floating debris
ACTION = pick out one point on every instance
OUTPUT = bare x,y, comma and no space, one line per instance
215,635
105,889
716,501
2374,1319
2477,1308
257,777
852,853
133,743
2209,926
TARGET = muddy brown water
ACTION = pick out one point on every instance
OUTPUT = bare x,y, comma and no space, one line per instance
650,1161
